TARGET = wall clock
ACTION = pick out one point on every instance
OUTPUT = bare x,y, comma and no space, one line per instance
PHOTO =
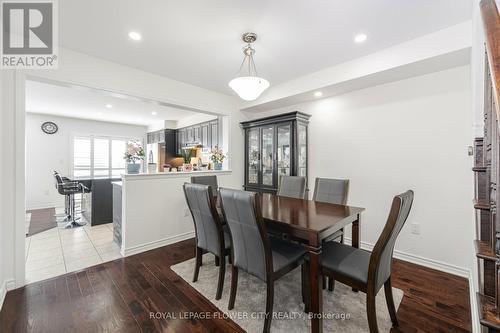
49,127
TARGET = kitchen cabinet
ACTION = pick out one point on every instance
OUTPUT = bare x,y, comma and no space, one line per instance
206,134
155,137
274,147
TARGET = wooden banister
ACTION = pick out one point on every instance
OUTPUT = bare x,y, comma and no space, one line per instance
491,23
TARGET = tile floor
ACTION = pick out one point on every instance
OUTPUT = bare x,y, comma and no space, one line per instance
58,251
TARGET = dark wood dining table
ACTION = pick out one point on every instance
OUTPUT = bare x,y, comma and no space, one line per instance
310,222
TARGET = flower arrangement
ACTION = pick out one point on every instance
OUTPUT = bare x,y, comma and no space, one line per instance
187,153
135,152
217,155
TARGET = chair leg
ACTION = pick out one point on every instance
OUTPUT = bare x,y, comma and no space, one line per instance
324,278
303,282
342,236
222,272
371,312
331,283
269,306
234,286
197,264
390,302
305,286
217,261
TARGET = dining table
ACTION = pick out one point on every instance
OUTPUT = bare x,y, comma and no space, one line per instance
310,222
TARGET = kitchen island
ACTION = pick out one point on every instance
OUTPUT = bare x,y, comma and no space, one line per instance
97,205
153,209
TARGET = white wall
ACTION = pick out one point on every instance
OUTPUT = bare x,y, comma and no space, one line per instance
46,153
411,134
80,69
194,119
153,217
3,222
8,252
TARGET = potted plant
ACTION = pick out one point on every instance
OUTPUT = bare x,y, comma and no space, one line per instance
187,154
135,152
217,157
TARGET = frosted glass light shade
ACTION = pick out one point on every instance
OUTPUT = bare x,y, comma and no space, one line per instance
249,88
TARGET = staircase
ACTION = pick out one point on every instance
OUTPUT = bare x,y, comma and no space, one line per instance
487,172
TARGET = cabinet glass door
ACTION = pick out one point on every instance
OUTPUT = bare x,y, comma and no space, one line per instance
267,156
302,150
253,156
283,149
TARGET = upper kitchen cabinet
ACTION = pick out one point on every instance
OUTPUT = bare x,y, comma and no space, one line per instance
274,147
206,134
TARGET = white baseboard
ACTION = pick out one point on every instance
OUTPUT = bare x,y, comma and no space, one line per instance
156,244
426,262
4,287
43,205
476,324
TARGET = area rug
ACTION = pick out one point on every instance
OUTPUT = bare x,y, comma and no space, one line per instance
344,310
39,220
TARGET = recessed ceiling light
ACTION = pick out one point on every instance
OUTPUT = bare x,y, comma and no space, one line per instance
360,38
134,35
154,113
318,94
109,106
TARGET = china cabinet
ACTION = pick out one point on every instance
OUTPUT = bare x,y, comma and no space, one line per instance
275,146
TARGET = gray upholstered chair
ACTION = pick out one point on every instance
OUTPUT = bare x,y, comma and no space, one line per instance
206,180
333,191
292,186
253,250
369,272
211,236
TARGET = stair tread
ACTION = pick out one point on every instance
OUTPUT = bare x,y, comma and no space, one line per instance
482,204
480,168
484,251
487,311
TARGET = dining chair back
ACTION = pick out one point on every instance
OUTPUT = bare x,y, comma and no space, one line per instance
251,243
333,191
208,230
210,234
206,180
253,250
381,258
292,186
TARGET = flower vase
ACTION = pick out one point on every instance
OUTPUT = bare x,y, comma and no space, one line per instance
133,168
217,166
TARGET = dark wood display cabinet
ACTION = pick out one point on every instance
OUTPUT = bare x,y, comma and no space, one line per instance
274,146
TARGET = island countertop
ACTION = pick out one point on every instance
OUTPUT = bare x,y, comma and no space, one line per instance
127,177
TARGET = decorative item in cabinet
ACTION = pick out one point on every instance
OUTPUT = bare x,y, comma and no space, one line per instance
275,146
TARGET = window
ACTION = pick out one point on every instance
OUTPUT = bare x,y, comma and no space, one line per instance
99,157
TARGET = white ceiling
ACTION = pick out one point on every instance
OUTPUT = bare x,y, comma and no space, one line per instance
198,41
86,103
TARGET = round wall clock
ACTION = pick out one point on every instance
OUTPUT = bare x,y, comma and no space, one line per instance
49,127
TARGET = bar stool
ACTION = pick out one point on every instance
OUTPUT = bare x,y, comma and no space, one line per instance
69,188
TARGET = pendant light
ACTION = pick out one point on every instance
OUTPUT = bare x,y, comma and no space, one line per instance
248,85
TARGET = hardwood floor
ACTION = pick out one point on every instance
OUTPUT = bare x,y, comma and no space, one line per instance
118,296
